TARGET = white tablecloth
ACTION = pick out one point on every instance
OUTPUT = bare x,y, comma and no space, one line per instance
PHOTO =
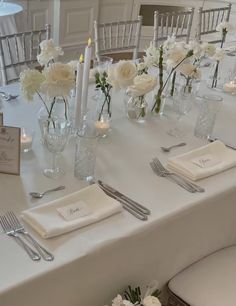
93,264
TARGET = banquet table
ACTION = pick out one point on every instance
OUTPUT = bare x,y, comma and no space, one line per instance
94,263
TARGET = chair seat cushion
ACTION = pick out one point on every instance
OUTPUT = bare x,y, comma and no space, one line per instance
208,282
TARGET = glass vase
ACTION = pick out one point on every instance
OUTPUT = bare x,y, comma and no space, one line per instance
136,108
102,121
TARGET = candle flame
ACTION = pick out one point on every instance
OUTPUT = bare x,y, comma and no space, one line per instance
81,58
89,42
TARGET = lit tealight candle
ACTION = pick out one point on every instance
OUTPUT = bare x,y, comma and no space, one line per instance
102,127
230,87
26,141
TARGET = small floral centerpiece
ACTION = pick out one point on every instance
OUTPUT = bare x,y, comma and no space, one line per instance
133,297
137,105
168,57
224,27
54,81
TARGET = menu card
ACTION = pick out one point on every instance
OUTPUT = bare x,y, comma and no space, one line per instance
9,150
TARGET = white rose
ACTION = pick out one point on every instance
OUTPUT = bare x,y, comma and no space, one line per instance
143,84
225,26
189,70
122,74
48,52
218,55
30,81
151,301
59,80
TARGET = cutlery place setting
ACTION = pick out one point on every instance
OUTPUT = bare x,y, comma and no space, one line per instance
7,96
14,229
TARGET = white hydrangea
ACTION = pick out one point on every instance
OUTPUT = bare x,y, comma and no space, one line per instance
30,81
59,80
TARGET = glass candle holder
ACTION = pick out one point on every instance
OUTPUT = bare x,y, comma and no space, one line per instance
26,139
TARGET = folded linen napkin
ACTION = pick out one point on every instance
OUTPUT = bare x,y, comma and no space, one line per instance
203,162
71,212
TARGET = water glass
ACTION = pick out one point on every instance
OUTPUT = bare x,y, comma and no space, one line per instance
85,154
208,109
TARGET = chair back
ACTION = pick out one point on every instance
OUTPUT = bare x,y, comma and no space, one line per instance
172,23
116,37
18,51
208,19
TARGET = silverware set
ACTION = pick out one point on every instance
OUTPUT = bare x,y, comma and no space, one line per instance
137,210
13,228
161,171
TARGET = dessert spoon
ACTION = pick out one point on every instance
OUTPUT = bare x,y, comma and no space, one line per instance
39,195
167,149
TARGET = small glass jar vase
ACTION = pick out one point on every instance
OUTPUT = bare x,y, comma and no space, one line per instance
102,121
136,108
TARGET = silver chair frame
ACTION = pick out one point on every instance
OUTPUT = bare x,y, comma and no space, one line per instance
208,19
21,49
172,23
115,37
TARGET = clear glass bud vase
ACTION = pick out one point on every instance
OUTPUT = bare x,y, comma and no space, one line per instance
103,114
136,108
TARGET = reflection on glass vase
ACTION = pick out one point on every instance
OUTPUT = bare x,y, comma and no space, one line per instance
136,108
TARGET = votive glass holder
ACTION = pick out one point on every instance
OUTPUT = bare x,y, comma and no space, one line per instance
26,139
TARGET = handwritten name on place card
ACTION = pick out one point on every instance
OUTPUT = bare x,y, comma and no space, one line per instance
9,150
74,211
206,161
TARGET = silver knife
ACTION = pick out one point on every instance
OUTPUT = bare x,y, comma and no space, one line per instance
120,195
125,205
227,145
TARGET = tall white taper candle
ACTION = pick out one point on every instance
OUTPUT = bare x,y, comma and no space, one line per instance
78,96
87,60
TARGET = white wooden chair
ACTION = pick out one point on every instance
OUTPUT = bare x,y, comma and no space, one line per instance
210,281
117,37
18,51
208,19
172,23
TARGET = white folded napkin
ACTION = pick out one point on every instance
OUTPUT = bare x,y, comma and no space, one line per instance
71,212
205,161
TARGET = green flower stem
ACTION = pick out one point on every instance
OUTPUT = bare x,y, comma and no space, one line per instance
43,102
173,85
157,104
50,111
65,103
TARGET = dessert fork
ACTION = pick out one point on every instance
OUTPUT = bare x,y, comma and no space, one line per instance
18,227
196,187
173,179
11,232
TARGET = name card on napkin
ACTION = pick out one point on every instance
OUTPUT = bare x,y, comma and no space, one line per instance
9,150
206,161
74,211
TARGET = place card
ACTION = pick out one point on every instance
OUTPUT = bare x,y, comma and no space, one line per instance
206,161
74,211
1,118
9,150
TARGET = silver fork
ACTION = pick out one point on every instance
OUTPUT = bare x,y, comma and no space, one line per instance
11,232
196,187
160,173
18,227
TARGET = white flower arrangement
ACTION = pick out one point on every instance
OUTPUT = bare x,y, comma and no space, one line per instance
54,80
133,297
